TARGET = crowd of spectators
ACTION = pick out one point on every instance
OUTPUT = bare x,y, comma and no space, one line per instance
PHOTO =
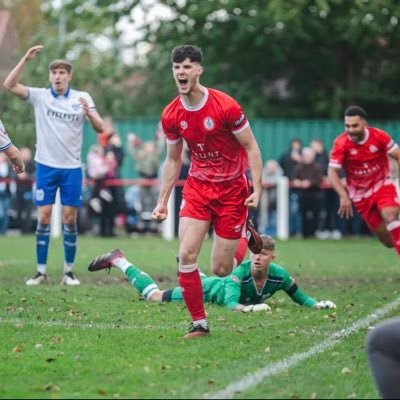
313,204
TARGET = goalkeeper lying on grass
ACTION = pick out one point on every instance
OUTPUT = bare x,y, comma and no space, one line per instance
245,289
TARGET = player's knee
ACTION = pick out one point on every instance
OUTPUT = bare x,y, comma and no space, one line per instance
187,257
221,269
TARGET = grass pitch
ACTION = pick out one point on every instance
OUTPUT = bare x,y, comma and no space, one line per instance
99,340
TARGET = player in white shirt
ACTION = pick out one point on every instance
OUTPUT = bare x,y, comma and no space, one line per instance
59,116
11,151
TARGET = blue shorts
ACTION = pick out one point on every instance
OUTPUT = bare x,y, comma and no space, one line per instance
49,179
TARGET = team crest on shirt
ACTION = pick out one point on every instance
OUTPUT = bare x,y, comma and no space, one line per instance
39,194
237,228
76,107
373,149
184,124
209,123
353,152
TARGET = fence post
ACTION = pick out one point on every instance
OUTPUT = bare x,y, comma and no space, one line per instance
168,226
56,217
282,208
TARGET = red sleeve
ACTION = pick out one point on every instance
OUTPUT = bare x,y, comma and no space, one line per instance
337,154
388,143
235,117
170,130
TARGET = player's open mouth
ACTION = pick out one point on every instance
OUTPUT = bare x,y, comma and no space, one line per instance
183,83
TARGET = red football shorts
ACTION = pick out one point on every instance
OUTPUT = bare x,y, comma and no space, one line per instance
222,203
369,208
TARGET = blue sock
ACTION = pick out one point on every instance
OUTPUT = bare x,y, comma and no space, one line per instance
42,243
70,235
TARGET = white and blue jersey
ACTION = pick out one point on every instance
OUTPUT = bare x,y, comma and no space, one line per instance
59,126
5,141
59,135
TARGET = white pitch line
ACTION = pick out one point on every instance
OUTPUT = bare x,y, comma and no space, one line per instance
95,325
254,378
86,325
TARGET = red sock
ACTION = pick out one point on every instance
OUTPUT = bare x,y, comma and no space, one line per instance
241,251
394,230
192,292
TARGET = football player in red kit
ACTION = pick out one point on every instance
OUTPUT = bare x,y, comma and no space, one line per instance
362,152
217,192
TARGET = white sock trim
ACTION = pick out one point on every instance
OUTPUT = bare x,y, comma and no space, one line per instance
393,225
202,322
187,268
67,267
41,268
122,263
149,290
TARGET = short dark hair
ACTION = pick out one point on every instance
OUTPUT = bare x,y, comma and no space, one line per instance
60,64
181,53
353,111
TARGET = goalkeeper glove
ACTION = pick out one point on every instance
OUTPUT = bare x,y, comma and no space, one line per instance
256,308
261,307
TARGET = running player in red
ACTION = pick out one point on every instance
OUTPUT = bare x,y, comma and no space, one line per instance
362,151
217,192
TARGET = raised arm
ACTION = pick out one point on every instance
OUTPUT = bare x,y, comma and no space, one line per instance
248,141
11,83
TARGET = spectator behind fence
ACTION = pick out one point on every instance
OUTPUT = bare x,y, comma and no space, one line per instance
183,174
307,177
24,193
271,173
288,162
147,157
5,192
100,167
109,196
329,220
114,145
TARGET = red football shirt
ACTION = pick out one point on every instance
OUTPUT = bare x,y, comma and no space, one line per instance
365,164
209,130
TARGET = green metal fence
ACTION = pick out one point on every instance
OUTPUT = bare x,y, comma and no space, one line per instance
273,136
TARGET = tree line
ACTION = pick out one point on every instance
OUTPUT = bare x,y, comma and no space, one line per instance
278,58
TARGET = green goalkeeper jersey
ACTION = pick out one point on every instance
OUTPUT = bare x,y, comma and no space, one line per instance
239,287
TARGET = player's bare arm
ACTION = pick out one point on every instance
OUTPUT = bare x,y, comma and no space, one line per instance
172,167
248,141
11,83
14,155
93,116
395,154
345,206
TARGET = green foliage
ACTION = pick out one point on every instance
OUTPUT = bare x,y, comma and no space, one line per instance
280,59
294,58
